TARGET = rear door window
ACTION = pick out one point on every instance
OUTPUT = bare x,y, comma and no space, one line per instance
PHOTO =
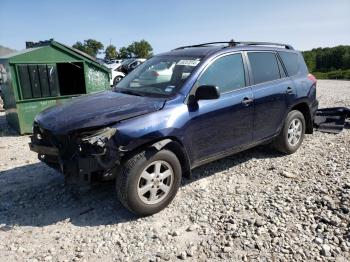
290,61
226,72
264,66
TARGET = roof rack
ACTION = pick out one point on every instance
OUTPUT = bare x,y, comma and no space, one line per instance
235,43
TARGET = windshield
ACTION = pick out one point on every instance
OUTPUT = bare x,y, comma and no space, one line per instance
159,76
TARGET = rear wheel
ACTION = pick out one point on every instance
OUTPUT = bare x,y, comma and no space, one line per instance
149,181
292,133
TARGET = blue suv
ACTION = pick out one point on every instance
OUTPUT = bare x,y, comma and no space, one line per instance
177,111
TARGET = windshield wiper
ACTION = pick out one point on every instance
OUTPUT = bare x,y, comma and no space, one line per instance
129,92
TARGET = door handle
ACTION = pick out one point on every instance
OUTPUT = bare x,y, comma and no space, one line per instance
247,101
289,90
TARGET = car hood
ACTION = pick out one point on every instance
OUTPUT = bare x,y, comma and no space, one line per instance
95,110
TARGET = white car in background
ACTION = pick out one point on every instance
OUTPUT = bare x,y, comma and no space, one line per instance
116,75
159,73
126,66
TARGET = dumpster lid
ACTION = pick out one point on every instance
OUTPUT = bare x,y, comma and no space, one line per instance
31,46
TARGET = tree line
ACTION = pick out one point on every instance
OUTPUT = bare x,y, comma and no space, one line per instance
92,47
329,62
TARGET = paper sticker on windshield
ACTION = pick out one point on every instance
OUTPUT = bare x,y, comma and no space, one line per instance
188,62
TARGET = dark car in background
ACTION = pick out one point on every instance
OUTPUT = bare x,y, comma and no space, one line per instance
130,64
219,98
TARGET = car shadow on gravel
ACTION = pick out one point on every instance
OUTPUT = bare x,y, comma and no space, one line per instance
46,200
259,152
35,195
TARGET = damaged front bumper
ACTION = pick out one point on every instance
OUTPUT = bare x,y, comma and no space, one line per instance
80,157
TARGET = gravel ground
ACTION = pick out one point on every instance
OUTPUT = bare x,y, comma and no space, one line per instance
254,206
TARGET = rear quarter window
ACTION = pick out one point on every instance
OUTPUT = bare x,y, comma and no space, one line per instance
264,66
291,62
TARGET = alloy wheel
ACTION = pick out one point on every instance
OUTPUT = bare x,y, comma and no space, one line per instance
294,131
155,182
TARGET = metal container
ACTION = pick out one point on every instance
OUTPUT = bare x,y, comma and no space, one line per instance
45,74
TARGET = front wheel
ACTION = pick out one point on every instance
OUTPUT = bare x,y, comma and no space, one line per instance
292,133
149,181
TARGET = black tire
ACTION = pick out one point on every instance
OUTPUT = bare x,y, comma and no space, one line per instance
127,182
117,80
281,142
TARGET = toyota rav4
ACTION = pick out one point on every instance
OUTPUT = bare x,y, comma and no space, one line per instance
217,99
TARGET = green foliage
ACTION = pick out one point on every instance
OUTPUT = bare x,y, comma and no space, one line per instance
331,63
111,52
336,74
310,59
78,45
140,49
91,47
320,75
124,53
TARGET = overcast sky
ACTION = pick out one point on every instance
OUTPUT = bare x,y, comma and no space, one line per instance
169,24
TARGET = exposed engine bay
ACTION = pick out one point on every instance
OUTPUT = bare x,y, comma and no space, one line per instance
79,155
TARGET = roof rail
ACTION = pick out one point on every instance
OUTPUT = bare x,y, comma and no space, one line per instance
286,46
235,43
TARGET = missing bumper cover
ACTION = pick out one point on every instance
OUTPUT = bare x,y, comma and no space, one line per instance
95,142
87,153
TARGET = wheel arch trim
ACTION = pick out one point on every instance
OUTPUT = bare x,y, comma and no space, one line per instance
304,108
174,145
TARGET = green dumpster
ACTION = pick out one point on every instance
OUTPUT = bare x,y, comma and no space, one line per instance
45,74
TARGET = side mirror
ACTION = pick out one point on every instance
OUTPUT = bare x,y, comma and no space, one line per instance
206,92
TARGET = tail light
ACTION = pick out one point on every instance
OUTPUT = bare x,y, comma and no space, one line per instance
312,78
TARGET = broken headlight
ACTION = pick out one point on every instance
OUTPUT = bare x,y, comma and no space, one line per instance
94,142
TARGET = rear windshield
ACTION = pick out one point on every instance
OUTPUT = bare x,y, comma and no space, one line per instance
291,62
159,76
